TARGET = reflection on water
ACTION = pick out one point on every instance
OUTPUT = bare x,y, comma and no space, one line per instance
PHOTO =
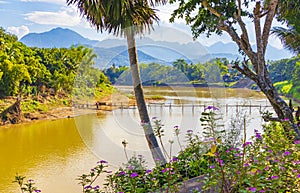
51,152
56,152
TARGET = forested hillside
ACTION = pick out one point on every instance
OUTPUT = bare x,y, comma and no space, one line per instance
286,76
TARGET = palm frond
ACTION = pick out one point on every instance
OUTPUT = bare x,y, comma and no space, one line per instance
119,15
289,37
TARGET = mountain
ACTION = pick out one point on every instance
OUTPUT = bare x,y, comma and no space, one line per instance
119,56
150,48
230,50
57,37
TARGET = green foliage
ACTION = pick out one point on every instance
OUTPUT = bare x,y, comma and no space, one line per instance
29,106
34,71
285,75
181,72
87,180
282,70
26,187
283,87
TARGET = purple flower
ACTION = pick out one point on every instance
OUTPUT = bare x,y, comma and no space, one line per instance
246,165
298,176
189,131
296,162
121,173
221,162
148,171
252,189
267,168
176,126
258,135
255,130
134,174
131,167
247,143
238,172
212,166
286,153
262,191
166,169
274,177
175,159
88,187
102,162
154,118
96,187
297,142
238,154
36,190
211,108
286,119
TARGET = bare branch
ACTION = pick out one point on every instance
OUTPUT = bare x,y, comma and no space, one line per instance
245,70
239,41
259,43
239,8
244,36
268,23
212,10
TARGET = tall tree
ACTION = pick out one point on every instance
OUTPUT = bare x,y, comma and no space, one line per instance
217,16
128,18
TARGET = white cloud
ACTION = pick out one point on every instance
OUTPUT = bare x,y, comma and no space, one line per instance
19,31
164,13
2,2
67,16
47,1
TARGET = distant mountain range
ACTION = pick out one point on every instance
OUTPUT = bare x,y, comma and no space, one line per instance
114,51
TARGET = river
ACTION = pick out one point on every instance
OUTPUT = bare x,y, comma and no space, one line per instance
55,152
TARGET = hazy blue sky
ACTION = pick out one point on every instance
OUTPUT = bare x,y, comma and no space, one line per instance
26,16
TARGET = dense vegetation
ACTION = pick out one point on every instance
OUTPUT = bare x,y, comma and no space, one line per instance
40,79
286,76
284,73
214,71
34,71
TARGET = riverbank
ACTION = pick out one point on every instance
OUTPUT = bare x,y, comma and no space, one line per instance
66,108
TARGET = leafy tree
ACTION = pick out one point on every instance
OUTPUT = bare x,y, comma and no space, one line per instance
282,70
217,16
128,18
289,13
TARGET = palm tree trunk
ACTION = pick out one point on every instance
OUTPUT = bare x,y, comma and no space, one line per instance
140,100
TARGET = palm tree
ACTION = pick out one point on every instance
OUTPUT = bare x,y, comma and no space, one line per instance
290,38
128,18
289,14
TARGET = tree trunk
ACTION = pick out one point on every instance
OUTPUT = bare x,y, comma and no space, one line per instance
140,100
281,108
259,74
